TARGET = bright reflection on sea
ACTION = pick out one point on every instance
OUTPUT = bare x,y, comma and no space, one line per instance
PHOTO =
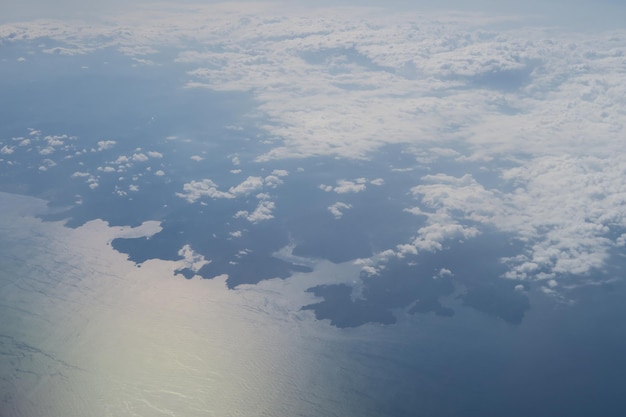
85,332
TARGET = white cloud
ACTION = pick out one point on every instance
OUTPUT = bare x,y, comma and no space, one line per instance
139,157
7,150
262,212
159,173
549,103
123,159
249,185
154,154
338,208
273,181
192,260
355,186
195,190
196,158
345,186
562,208
106,144
443,272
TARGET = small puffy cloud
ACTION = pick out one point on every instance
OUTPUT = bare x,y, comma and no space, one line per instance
235,171
280,172
159,173
338,208
79,174
195,190
106,144
345,186
235,160
192,260
369,270
154,154
7,150
273,181
249,185
236,234
405,249
262,212
443,272
46,151
93,183
56,140
140,157
196,158
133,187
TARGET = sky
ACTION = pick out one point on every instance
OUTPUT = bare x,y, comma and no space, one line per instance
580,14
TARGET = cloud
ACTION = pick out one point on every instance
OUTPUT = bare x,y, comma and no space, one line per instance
249,185
540,110
139,157
191,259
562,208
348,186
344,187
195,190
106,144
262,212
338,208
196,158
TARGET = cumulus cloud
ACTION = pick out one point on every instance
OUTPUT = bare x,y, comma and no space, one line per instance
262,212
140,157
338,208
249,185
191,259
562,208
106,144
195,190
351,186
344,187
